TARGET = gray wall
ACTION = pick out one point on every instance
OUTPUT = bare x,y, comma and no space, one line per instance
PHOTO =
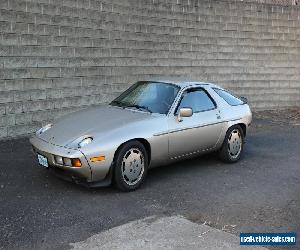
57,56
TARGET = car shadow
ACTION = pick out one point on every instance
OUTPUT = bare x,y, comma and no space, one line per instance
183,167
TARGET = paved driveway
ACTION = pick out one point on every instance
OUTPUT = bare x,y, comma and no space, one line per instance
260,193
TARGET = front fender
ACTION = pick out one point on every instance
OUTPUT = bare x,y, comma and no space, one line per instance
107,144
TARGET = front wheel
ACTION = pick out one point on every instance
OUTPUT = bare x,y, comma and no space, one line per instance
131,166
233,145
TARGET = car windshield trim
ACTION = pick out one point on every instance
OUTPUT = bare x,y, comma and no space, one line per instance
117,103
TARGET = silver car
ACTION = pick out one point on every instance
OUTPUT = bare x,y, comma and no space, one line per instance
151,124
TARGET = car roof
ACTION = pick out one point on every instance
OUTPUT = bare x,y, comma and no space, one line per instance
186,83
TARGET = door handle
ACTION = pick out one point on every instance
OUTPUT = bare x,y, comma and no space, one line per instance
218,115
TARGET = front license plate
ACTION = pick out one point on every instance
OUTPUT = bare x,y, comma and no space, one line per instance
42,160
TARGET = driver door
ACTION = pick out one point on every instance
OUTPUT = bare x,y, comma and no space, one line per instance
199,132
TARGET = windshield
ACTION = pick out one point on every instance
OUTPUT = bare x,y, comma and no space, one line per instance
154,97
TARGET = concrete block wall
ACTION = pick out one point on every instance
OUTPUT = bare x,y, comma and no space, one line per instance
58,56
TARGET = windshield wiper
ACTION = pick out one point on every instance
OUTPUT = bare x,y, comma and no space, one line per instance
140,107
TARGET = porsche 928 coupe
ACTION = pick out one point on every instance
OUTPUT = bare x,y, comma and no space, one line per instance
152,123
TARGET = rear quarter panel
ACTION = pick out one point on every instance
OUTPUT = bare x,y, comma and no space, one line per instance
232,115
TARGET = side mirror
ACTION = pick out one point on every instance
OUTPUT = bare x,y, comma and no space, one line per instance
184,112
244,99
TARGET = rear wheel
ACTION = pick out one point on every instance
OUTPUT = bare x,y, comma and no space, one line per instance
233,145
131,166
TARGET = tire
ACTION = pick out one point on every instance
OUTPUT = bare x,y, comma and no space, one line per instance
233,145
131,165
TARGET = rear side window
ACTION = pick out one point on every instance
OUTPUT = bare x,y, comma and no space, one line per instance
229,98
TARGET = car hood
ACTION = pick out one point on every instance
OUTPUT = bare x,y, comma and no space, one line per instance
90,122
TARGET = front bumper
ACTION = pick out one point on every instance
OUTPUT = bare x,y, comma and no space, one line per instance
81,174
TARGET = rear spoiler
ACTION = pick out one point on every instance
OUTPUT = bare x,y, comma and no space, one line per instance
244,99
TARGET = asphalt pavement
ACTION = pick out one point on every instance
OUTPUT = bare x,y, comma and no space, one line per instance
258,194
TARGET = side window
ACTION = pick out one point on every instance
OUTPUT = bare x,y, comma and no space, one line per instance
198,100
229,98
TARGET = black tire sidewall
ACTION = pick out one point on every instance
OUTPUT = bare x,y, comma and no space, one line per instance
118,178
224,154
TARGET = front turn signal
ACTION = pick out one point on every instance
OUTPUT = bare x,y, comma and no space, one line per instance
76,162
98,158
